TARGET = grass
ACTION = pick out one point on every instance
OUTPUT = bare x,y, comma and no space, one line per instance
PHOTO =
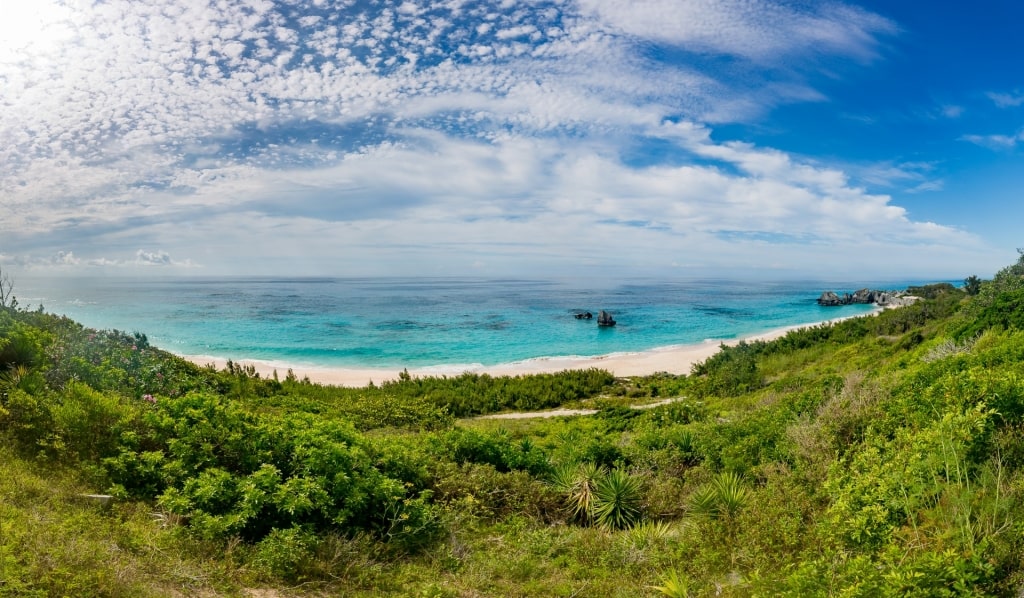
55,542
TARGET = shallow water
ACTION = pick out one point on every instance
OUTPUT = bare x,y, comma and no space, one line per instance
418,322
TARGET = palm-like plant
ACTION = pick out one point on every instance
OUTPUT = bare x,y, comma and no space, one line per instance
732,493
724,497
617,500
673,586
647,532
12,378
579,483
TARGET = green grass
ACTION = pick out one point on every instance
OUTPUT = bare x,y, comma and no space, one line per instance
55,542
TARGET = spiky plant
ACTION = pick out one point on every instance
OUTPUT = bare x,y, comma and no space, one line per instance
732,493
704,502
579,483
673,586
617,499
648,532
724,497
12,377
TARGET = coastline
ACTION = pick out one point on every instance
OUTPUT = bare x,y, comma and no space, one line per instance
675,359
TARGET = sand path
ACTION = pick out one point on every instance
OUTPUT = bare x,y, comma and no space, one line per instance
566,412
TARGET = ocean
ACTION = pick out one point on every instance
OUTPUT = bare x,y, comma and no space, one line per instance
427,322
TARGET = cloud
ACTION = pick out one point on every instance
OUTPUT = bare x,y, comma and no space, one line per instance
152,258
757,30
927,186
952,111
409,136
996,141
63,260
66,258
1006,100
919,175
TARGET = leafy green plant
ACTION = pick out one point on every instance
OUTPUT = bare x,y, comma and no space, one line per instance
578,482
283,552
673,585
617,498
724,497
646,533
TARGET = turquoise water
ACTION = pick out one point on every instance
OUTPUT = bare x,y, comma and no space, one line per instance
392,322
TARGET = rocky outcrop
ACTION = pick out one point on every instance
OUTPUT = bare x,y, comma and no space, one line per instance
605,319
586,315
867,297
896,300
830,299
864,296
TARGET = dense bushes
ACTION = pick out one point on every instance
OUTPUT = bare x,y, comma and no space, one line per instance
874,456
476,394
1005,311
421,403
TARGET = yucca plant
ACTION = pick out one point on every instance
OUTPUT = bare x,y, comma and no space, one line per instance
673,586
617,499
648,532
704,502
732,493
579,483
12,378
724,497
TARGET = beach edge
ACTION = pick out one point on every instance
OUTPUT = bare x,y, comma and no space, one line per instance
675,359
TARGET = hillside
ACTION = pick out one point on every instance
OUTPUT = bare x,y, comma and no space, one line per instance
882,455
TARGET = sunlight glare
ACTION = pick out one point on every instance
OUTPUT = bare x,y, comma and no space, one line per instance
32,27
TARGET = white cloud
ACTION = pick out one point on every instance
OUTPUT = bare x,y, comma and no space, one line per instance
66,258
996,141
1006,100
952,111
242,135
754,29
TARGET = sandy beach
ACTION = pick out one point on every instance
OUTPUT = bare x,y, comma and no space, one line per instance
678,359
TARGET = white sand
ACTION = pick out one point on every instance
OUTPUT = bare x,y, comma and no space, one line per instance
677,359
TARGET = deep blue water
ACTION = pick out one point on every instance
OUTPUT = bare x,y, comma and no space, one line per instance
398,322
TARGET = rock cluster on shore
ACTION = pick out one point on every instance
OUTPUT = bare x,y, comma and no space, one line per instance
867,296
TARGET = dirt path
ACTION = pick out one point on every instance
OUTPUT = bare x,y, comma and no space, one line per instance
566,412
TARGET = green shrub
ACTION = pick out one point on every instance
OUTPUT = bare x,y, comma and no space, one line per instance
731,371
617,500
284,552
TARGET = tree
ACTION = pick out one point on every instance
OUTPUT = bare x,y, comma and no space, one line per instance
6,291
972,285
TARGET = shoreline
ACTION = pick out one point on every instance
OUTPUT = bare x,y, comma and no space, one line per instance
674,359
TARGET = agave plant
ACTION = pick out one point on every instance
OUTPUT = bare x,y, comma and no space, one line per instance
617,499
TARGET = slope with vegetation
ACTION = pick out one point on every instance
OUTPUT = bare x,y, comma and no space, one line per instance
880,455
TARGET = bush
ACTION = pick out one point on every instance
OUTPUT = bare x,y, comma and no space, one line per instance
731,371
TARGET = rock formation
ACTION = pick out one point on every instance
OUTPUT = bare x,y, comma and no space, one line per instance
605,319
867,296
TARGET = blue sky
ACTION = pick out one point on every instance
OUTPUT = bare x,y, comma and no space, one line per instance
601,138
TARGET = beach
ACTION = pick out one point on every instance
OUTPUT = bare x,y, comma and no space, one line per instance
676,359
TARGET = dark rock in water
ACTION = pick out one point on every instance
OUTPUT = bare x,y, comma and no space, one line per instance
586,315
605,319
830,299
863,296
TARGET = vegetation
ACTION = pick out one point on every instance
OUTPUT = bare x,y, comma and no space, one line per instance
876,456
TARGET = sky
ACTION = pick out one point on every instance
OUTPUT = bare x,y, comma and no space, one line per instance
593,138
